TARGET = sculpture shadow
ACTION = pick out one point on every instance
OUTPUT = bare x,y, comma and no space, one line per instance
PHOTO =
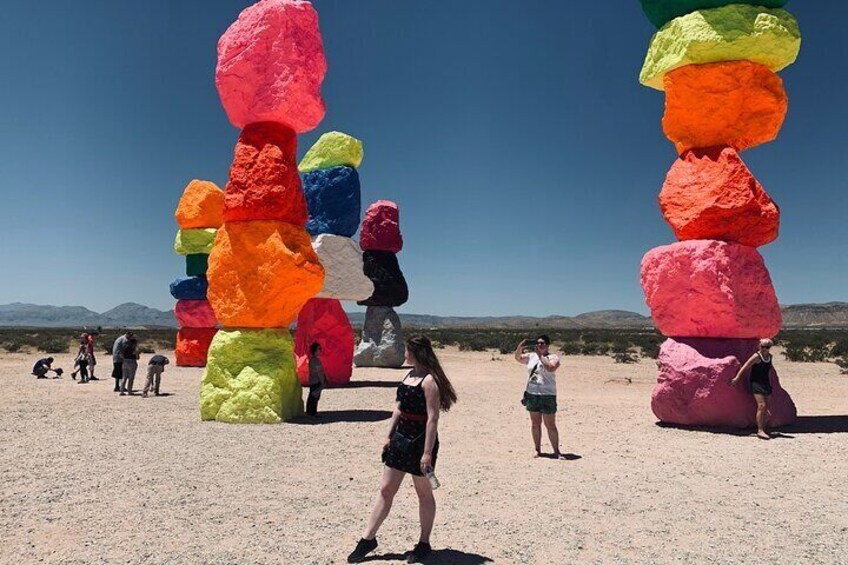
802,425
337,416
371,384
819,425
440,556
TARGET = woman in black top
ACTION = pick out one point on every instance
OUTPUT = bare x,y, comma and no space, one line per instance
760,365
412,445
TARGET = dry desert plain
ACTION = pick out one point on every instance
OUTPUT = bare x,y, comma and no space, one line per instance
90,477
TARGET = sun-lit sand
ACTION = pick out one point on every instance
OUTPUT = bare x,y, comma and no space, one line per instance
90,477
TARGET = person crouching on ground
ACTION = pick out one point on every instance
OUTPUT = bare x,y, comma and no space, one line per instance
43,366
118,359
760,366
540,395
412,445
155,368
317,380
129,365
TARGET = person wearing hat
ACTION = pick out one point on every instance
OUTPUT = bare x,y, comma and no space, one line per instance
760,366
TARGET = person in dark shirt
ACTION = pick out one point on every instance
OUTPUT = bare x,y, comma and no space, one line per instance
43,366
760,365
155,368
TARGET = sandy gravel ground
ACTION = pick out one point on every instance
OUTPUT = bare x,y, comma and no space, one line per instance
90,477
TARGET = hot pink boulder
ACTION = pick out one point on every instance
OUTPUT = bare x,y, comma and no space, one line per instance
381,228
324,321
693,385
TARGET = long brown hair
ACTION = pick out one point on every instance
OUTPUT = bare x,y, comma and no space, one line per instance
422,350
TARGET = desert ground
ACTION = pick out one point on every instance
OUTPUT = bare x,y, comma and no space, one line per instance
90,477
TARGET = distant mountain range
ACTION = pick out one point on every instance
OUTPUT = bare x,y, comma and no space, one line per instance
830,315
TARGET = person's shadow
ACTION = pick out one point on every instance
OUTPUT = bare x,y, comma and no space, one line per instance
440,556
336,416
802,425
563,457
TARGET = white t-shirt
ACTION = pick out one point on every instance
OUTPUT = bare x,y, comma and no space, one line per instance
541,381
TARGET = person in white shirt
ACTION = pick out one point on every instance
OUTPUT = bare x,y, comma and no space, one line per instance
540,395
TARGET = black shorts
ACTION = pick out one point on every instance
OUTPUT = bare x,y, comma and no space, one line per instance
761,388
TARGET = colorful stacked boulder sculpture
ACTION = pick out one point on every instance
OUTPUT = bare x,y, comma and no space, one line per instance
382,342
711,293
262,267
333,195
199,214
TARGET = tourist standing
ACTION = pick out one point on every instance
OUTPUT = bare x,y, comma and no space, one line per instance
90,357
760,365
540,396
81,361
317,380
129,365
412,446
155,368
118,358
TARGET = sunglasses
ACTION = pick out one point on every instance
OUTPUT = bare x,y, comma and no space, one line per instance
541,343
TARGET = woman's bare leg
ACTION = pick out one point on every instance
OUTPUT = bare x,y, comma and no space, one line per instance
389,485
536,431
762,410
553,432
426,506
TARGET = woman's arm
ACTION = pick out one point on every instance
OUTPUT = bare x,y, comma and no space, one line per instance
549,365
748,364
520,356
431,393
392,423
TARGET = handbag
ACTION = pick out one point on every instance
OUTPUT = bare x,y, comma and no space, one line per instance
404,443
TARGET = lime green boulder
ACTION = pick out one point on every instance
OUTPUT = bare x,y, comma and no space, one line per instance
195,241
660,12
250,378
731,33
333,149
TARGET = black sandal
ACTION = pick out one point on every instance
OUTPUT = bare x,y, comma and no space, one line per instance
363,548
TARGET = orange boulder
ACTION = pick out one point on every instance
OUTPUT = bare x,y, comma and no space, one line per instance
736,103
261,274
201,206
711,194
264,183
193,346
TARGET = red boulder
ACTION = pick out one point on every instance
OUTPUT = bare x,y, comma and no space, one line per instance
381,228
324,321
264,183
193,346
711,194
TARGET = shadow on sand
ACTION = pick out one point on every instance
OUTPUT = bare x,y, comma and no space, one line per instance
564,457
440,556
336,416
371,384
803,425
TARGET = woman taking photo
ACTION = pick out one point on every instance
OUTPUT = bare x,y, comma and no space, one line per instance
540,396
412,445
760,367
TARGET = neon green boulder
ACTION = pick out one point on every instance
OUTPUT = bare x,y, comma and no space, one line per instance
194,241
333,149
250,378
730,33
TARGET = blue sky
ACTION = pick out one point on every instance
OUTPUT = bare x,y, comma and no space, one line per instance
524,154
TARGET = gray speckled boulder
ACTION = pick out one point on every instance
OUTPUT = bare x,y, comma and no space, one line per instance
382,342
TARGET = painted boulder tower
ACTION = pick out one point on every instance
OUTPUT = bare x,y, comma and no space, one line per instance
333,196
382,342
711,293
262,268
199,215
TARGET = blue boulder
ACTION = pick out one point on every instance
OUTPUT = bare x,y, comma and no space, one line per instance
189,288
334,200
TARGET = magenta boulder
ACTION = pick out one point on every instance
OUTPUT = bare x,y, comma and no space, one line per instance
693,386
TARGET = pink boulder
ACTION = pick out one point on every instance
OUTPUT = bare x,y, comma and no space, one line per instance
693,386
708,288
711,194
271,65
324,321
195,314
381,228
